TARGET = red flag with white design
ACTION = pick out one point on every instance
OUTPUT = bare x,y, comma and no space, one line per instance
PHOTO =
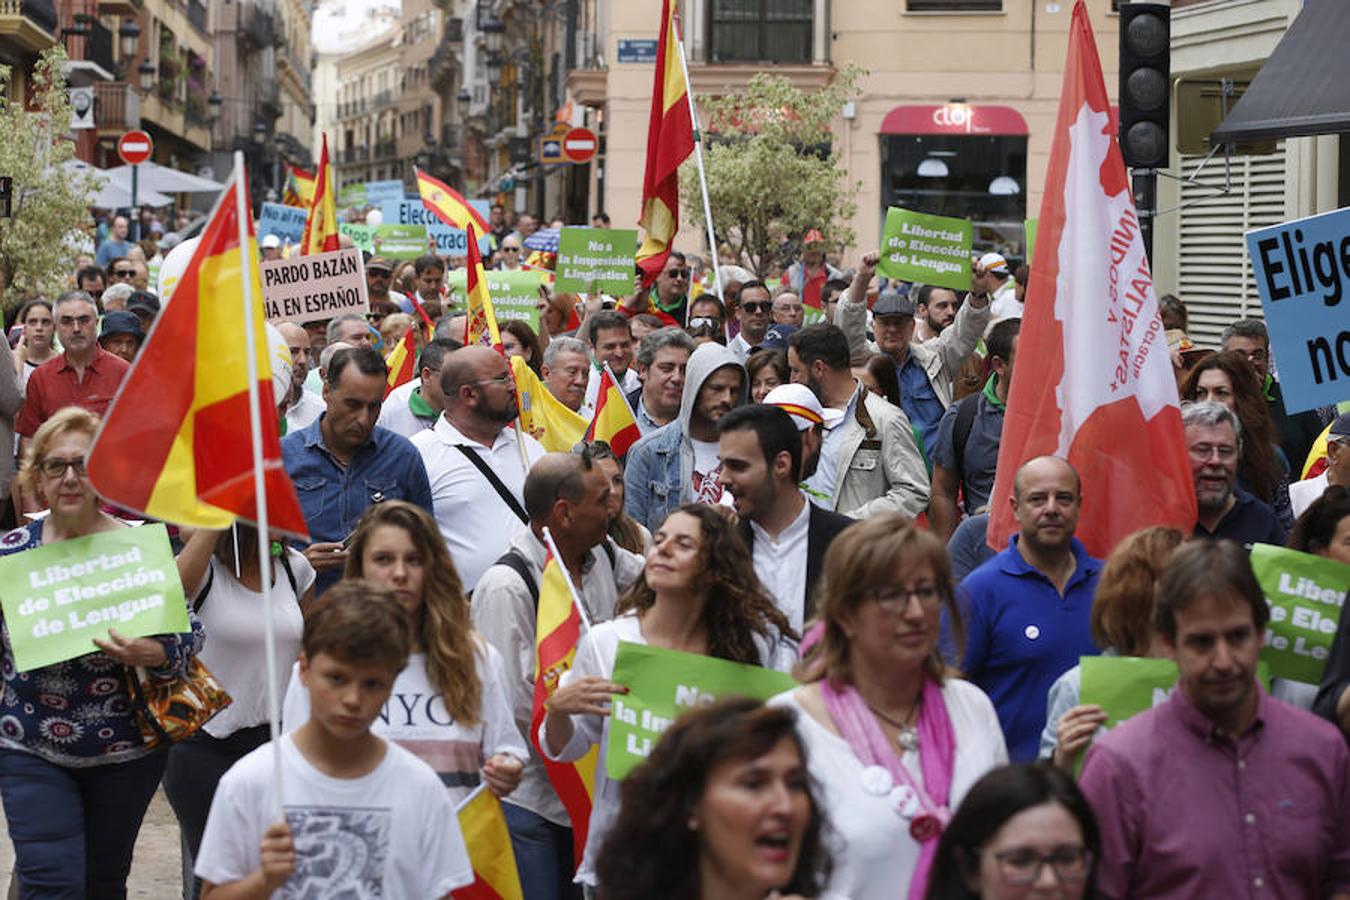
1093,380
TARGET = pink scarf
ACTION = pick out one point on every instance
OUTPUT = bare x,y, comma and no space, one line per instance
937,756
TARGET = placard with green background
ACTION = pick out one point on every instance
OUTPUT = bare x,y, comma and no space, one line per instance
363,236
1031,239
926,249
514,294
1306,594
664,683
58,597
401,241
596,261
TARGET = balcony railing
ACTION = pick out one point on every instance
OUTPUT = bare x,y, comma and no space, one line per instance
354,155
117,106
100,46
41,13
300,69
257,26
197,16
386,150
383,99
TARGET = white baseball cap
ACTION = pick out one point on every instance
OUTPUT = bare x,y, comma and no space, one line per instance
798,401
271,242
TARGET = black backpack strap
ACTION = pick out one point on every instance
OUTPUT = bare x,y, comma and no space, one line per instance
518,564
502,491
965,421
609,551
285,559
198,600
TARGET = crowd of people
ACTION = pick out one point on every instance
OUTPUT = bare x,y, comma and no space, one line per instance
810,494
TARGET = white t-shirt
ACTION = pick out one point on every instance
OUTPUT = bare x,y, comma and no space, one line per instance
876,856
415,718
390,833
231,615
780,564
707,466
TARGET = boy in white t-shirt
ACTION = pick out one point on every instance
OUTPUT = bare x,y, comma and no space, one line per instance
364,817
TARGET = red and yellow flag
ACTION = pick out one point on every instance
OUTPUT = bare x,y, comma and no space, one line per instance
543,415
670,140
402,361
557,630
321,228
613,421
187,456
448,205
482,327
495,876
299,190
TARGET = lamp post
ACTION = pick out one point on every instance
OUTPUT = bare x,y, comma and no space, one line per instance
128,39
146,73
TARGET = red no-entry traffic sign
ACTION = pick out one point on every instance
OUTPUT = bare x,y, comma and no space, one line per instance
580,144
135,147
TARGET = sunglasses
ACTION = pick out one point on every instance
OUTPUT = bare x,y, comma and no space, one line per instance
703,322
123,273
754,307
510,249
678,273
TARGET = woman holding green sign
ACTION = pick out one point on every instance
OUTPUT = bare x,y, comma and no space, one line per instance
698,593
75,773
893,740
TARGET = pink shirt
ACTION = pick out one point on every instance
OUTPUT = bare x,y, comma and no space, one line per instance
1185,812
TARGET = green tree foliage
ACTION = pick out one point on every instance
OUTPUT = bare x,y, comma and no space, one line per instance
50,200
773,169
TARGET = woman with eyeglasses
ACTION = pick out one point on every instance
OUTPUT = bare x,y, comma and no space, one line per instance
75,773
35,345
893,739
698,593
1022,831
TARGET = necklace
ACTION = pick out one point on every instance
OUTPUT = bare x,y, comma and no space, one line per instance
908,736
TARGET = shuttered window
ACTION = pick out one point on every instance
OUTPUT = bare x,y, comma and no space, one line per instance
1215,275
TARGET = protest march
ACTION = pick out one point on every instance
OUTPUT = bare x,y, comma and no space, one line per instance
407,542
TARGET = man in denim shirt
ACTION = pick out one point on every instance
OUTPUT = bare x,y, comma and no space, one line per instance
343,463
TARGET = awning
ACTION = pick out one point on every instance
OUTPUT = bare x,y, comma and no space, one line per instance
1304,87
110,191
168,181
955,118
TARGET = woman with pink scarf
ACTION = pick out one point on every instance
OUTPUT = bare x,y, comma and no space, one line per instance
894,741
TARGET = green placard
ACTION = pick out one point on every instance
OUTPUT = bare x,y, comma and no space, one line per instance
363,236
926,249
662,684
1305,594
1031,239
1125,685
352,195
58,597
514,294
401,241
596,261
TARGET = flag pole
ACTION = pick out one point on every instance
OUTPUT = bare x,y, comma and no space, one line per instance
576,598
702,174
619,387
247,262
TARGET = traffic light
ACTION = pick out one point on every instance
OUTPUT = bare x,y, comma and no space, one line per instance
1145,83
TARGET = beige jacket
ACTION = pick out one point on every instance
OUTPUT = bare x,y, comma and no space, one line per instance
879,464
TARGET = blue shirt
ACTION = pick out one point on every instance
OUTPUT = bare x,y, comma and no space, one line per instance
1021,635
919,402
1250,521
333,498
111,249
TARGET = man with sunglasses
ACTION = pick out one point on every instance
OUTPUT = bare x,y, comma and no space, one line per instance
755,315
379,277
122,271
91,280
509,254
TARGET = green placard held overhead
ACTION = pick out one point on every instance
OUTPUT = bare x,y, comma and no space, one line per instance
515,295
1306,594
926,249
58,597
596,261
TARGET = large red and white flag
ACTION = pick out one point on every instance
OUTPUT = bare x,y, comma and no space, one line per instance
1093,380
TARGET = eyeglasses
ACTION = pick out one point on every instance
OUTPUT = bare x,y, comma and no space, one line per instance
895,599
1203,452
81,321
510,249
1022,865
379,273
500,379
762,306
56,468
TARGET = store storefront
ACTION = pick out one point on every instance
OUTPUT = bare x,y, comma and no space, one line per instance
960,160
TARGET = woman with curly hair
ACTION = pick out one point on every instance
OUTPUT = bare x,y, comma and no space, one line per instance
1228,378
893,740
449,705
722,808
1122,624
699,594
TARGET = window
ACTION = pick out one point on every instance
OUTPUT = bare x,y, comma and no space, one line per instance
955,5
760,31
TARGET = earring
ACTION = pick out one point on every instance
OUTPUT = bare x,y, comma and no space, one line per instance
692,824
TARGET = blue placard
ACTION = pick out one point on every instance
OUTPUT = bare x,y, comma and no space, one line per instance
286,222
449,241
378,193
1302,271
637,51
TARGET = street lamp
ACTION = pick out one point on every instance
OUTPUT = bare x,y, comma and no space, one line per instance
146,70
214,103
259,135
128,38
493,29
494,65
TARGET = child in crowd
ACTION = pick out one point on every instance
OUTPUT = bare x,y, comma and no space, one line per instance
363,817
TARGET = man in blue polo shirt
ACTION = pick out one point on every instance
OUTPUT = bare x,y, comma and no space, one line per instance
343,462
1028,608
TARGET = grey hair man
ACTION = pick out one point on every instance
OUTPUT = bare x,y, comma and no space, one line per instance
350,328
1224,509
662,358
566,369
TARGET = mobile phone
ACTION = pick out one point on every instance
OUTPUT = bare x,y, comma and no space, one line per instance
347,541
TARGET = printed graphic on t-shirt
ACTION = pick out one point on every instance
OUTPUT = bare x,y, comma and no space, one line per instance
707,489
340,852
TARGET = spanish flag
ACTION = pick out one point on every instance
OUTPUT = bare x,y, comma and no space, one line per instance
670,140
482,327
402,361
176,444
557,630
447,204
543,415
613,421
495,876
1316,463
321,228
299,190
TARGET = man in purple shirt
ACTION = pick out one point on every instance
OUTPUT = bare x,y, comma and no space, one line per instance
1221,790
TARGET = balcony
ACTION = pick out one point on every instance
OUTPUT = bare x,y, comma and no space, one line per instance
354,155
383,100
386,149
99,49
197,16
257,27
292,61
120,7
29,23
117,108
443,65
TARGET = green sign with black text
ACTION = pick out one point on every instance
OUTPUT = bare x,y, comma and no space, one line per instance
927,249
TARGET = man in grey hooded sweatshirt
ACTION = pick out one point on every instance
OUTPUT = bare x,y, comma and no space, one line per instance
678,462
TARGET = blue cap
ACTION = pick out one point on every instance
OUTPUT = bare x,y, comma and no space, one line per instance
776,338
